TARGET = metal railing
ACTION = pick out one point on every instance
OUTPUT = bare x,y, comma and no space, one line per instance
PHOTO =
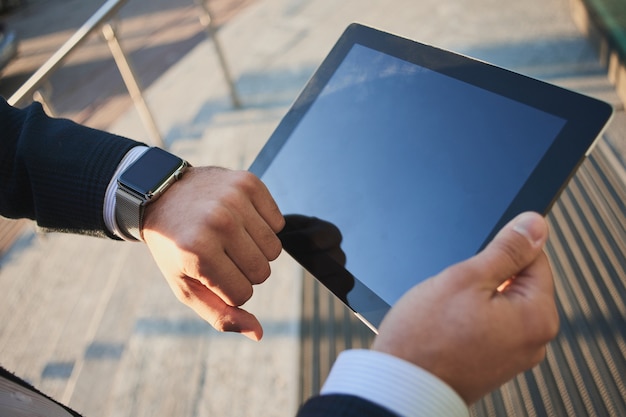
207,22
32,88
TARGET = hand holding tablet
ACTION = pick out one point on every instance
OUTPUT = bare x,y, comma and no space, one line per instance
417,156
457,326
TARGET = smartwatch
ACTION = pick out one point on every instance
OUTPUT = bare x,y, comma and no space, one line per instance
142,182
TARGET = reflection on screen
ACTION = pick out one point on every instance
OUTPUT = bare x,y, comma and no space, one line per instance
415,168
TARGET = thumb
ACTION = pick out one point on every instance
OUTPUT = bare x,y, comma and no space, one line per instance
238,320
514,248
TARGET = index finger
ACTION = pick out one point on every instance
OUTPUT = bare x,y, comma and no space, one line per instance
536,278
265,204
531,293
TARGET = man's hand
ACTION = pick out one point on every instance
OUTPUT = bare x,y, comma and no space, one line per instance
479,323
213,234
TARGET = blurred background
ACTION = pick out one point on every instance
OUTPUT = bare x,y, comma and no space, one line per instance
92,322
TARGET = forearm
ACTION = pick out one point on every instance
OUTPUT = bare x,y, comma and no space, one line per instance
62,193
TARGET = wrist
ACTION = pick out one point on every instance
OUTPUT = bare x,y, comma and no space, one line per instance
161,212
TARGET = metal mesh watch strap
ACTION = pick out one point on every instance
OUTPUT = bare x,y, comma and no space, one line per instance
129,214
142,182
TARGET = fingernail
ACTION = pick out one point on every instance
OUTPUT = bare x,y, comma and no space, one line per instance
529,225
252,335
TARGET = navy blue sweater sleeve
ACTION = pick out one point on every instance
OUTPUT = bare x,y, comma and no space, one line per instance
55,171
342,406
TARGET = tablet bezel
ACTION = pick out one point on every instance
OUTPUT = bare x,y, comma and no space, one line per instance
585,117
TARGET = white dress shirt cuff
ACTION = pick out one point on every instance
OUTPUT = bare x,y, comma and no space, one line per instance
394,384
109,198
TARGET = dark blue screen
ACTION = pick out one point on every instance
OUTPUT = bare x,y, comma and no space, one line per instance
415,168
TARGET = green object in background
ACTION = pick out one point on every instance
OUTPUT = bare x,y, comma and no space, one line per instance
610,16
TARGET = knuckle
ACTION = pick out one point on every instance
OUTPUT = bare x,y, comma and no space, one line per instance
540,332
546,324
538,356
188,243
220,219
234,197
274,248
512,253
279,221
191,263
246,181
262,273
223,322
551,327
241,297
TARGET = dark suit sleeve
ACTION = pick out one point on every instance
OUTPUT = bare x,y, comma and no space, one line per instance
55,171
342,406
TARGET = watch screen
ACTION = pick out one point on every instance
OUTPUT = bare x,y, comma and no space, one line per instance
151,170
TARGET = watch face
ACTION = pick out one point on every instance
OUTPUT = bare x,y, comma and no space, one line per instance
150,171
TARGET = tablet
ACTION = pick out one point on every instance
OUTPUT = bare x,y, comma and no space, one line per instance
399,159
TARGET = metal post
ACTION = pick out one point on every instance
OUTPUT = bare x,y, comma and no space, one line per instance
207,22
132,85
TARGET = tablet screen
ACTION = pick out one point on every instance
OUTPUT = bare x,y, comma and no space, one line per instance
415,169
